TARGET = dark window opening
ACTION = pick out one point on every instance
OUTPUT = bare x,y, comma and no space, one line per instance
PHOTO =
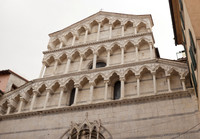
117,90
13,87
98,65
72,95
192,42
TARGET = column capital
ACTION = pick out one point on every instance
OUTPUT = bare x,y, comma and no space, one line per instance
12,103
92,83
63,87
122,78
106,81
50,90
58,60
137,76
36,92
153,72
77,85
46,63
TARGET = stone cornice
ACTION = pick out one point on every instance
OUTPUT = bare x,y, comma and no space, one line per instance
99,14
135,100
99,42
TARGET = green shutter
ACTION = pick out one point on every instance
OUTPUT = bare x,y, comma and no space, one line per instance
194,79
181,5
192,42
193,59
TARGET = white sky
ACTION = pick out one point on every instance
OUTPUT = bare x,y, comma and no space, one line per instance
25,25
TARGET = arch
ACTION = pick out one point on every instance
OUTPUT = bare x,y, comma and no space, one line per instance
161,80
146,81
141,27
62,57
55,85
68,38
116,24
115,57
143,50
144,67
56,43
94,26
50,59
81,31
71,79
128,28
83,79
130,83
129,53
175,81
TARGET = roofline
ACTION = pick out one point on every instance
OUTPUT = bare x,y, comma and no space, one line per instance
8,71
100,12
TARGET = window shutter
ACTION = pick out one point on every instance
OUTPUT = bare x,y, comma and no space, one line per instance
193,59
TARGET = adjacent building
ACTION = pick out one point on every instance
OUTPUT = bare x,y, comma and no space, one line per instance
9,81
102,78
186,19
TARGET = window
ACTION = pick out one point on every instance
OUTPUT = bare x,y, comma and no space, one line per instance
100,64
193,59
181,5
117,90
192,42
72,95
194,79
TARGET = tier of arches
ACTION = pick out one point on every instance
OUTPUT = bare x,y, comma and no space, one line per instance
82,60
100,88
99,30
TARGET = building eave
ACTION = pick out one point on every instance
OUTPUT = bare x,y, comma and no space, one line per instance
176,23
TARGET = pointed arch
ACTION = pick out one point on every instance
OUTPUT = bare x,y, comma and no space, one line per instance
142,27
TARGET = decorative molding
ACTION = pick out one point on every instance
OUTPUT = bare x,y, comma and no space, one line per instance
135,100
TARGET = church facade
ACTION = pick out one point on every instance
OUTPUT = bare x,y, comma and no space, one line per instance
102,78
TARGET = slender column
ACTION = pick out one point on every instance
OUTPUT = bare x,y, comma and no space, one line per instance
61,95
85,38
110,32
55,66
98,32
154,82
168,83
42,70
106,89
90,135
81,61
136,53
9,109
33,99
97,134
138,84
47,97
122,30
22,102
76,93
122,55
68,64
183,84
73,40
151,51
94,60
134,29
108,58
91,91
61,45
122,79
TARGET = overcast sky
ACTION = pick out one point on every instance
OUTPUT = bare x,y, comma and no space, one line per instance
25,25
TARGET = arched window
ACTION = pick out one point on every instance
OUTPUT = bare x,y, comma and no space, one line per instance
72,95
117,90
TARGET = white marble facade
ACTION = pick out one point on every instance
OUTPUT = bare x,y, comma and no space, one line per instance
125,45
